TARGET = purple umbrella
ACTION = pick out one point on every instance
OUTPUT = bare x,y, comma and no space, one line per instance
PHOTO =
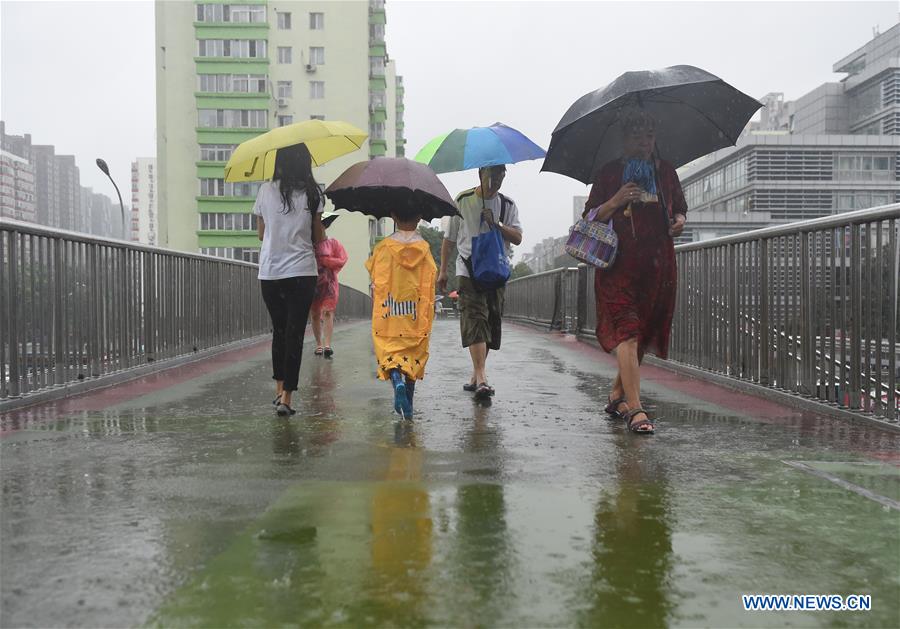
378,186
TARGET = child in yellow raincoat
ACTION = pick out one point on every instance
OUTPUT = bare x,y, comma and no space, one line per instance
403,278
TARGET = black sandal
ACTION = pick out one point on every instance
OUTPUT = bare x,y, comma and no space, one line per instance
612,409
635,426
483,391
283,410
470,387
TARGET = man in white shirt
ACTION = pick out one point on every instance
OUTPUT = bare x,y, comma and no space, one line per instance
480,309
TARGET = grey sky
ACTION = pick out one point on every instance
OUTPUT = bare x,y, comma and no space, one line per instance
80,75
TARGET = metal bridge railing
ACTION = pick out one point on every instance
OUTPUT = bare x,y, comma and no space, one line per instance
74,307
809,308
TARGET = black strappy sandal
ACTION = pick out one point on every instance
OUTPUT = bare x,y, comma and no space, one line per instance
483,392
283,410
612,409
635,426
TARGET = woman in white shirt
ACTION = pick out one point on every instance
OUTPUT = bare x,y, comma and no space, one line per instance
289,209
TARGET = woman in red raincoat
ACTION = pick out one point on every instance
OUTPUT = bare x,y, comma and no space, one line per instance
636,296
331,258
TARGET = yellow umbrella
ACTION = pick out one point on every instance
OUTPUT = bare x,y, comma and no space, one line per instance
254,160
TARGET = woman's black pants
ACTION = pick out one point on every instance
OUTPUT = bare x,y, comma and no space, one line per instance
288,303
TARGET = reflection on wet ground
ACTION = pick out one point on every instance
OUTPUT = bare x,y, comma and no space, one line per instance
193,505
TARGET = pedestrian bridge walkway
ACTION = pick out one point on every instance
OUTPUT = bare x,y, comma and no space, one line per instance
180,499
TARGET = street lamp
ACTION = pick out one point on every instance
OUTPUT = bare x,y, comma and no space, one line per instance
101,164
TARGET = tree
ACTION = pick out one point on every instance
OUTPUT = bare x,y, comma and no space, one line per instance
521,270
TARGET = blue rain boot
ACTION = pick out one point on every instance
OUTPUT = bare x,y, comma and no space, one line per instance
410,392
401,401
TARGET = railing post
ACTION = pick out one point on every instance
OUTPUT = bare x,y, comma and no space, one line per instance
765,333
806,328
13,300
733,309
581,308
894,263
856,316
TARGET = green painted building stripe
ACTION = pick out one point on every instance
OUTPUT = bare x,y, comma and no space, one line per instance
226,136
227,102
377,83
378,115
378,17
231,31
224,205
216,65
210,172
378,50
212,238
244,95
377,148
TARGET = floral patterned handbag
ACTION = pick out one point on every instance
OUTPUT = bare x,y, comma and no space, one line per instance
592,242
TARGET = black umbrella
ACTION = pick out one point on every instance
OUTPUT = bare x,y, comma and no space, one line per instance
695,112
381,185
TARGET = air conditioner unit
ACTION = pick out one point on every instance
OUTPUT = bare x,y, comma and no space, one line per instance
310,67
282,102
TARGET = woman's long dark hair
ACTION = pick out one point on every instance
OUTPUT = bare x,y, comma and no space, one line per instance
293,170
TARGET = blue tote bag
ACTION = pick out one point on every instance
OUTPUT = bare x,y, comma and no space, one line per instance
489,265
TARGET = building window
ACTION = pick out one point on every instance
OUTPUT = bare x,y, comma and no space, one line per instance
211,12
224,83
249,83
243,13
376,32
317,55
285,120
284,21
216,152
232,48
861,200
864,168
376,66
865,103
316,21
284,54
376,131
227,221
285,89
233,118
316,117
316,90
220,188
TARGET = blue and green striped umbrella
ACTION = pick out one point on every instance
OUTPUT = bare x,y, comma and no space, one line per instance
462,149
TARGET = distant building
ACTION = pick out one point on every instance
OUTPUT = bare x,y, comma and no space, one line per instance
226,73
16,187
833,150
144,223
57,196
578,207
546,255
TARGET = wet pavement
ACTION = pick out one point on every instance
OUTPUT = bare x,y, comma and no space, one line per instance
181,500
